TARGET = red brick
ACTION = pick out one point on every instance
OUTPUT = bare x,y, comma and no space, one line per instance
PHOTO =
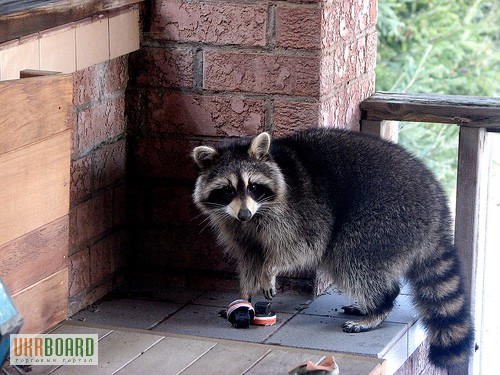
119,252
162,67
115,74
100,260
79,302
81,178
333,109
349,61
181,246
290,117
99,123
109,164
362,12
330,25
371,51
86,86
119,205
79,272
330,79
357,92
174,205
261,73
205,115
298,27
215,23
164,158
91,218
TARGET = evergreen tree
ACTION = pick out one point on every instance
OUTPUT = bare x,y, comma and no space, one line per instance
440,47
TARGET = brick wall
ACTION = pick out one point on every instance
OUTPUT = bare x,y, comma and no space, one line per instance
208,70
97,255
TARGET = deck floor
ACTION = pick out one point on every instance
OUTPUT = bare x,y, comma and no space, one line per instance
181,331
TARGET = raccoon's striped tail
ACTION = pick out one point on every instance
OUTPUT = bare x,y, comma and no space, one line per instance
444,307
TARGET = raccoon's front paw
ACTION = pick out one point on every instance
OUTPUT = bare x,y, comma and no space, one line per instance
353,327
270,292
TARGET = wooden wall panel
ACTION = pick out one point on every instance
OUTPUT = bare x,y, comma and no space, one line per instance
34,256
43,304
34,186
36,120
34,109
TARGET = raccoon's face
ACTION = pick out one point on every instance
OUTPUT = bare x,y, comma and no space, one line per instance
237,181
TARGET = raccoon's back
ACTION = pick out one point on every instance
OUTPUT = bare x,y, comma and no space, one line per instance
352,165
353,179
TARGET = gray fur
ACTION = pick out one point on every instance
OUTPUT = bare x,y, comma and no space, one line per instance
361,208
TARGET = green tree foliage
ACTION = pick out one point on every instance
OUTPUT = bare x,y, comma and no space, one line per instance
441,47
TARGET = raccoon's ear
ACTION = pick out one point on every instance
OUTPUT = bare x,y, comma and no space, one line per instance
259,147
204,156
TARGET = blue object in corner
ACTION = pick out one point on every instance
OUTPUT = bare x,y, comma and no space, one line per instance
10,321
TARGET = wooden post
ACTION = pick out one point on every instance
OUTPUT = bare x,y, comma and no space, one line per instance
470,221
383,129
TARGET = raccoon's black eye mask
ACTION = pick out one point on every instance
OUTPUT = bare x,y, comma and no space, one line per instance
260,192
222,196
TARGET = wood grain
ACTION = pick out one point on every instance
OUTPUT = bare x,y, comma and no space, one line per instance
34,256
33,109
178,353
43,304
115,350
446,109
34,186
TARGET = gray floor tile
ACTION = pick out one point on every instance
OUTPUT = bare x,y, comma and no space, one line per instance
217,299
286,303
325,333
205,321
179,295
127,313
330,304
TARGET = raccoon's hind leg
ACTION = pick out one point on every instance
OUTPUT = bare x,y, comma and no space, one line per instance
373,316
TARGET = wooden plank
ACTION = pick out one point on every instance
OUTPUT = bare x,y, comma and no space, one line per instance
30,73
280,361
171,355
34,256
68,329
227,359
34,186
446,109
115,351
23,17
471,210
33,109
43,304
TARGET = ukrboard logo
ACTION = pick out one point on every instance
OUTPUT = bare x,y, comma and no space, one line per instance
54,349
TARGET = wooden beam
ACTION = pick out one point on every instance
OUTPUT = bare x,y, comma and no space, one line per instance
446,109
24,17
470,222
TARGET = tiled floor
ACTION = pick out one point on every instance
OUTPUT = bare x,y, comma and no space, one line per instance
301,323
184,329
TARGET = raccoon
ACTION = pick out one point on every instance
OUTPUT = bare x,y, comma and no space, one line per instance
360,208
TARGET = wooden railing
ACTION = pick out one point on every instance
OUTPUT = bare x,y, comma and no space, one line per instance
476,117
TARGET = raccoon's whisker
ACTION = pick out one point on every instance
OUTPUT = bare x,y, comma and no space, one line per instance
266,199
198,216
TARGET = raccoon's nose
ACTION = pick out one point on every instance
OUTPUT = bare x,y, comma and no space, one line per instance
244,214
